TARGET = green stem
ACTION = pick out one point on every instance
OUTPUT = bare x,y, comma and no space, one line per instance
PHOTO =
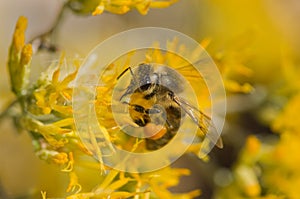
5,113
43,41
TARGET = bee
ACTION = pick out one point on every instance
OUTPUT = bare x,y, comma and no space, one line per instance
154,104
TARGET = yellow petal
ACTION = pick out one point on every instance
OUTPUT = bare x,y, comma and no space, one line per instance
162,4
44,194
64,122
19,35
253,144
73,185
99,9
118,184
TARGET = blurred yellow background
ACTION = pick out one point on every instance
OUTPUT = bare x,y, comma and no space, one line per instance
259,33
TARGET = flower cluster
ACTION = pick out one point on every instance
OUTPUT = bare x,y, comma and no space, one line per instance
96,7
267,166
48,116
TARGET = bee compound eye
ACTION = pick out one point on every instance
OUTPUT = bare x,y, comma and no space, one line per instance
145,86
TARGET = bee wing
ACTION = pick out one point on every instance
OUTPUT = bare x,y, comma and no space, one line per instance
203,121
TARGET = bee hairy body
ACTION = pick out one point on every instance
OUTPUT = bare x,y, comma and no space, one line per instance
156,107
154,104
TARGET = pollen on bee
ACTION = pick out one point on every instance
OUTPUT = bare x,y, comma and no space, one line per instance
154,132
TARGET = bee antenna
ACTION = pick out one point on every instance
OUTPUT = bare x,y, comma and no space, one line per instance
133,77
123,72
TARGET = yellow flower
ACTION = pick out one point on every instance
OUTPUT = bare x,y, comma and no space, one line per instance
123,6
275,165
97,7
60,158
56,95
160,181
48,117
232,63
236,87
